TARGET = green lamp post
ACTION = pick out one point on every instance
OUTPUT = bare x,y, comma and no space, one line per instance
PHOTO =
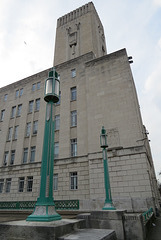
108,205
44,210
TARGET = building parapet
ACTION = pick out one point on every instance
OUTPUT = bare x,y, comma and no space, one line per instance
76,14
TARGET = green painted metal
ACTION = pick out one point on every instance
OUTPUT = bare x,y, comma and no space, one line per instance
147,215
17,205
67,205
46,192
108,205
59,205
45,207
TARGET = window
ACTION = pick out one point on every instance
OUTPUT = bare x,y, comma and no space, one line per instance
73,94
13,112
8,185
55,182
37,104
35,127
1,185
10,133
73,181
29,184
73,73
28,129
32,154
25,155
59,99
57,122
73,147
21,184
16,132
19,110
2,115
56,149
17,93
73,118
34,87
21,92
38,85
5,97
5,161
12,157
31,104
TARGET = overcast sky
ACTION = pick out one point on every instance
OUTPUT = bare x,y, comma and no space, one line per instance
27,38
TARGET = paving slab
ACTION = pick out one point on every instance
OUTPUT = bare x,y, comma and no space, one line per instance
90,234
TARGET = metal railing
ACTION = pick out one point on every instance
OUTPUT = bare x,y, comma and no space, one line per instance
147,215
25,205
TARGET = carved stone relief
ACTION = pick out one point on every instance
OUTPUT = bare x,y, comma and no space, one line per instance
113,138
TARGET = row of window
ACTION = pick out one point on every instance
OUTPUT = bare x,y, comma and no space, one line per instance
14,135
9,157
37,104
35,126
19,109
73,181
73,143
26,184
7,184
35,86
73,120
19,92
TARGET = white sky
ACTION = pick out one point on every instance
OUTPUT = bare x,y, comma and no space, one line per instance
27,38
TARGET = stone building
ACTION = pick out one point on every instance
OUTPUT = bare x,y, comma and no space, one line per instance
97,89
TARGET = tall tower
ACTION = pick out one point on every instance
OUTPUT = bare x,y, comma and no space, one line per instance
78,33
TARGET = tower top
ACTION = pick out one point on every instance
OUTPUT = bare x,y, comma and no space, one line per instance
76,14
78,33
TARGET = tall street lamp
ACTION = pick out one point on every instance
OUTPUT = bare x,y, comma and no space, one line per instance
44,210
108,205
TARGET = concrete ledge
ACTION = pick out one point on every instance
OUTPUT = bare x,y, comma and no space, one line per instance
24,230
91,234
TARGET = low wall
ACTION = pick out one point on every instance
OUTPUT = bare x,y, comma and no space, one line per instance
129,226
105,220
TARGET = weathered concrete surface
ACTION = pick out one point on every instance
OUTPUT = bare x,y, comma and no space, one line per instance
112,219
24,230
134,227
91,234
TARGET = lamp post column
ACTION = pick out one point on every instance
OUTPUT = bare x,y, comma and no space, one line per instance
45,207
108,205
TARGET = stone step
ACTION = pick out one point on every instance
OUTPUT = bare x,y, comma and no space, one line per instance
90,234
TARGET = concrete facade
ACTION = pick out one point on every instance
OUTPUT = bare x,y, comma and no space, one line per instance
99,89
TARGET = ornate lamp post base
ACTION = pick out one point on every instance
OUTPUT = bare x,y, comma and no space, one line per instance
44,213
108,206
